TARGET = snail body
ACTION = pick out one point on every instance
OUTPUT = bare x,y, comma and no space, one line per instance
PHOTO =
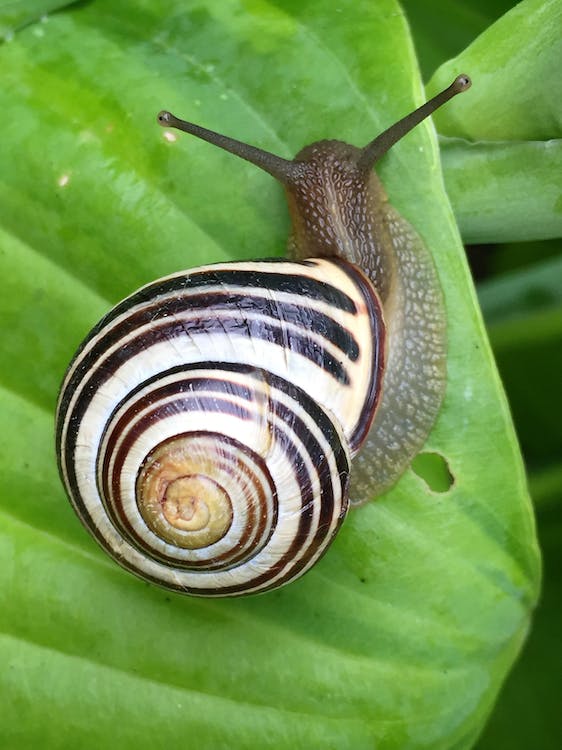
207,425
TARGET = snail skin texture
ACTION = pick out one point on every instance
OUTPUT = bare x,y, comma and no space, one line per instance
207,425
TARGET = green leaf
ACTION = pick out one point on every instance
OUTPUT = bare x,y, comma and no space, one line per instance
523,312
517,89
15,14
546,486
513,256
403,633
521,309
520,294
443,28
528,712
503,161
504,191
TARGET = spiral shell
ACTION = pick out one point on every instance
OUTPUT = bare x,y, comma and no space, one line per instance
205,427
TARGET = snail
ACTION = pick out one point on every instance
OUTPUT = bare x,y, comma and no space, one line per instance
207,425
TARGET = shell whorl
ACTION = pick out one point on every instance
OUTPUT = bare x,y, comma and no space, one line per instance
205,427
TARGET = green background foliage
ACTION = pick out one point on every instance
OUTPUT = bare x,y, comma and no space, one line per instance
403,634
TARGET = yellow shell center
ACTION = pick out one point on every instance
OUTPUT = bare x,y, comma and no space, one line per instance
177,498
184,503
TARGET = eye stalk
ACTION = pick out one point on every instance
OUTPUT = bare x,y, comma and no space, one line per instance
289,171
283,170
382,143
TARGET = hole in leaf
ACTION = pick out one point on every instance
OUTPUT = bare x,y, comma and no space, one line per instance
434,470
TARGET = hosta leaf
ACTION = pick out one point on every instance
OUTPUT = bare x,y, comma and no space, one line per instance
504,191
402,635
15,14
443,28
528,713
502,153
523,312
515,66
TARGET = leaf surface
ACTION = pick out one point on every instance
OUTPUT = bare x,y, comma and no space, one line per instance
15,14
502,151
401,636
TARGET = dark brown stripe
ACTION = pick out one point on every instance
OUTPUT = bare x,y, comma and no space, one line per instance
96,373
376,316
295,284
184,286
319,541
239,305
109,489
256,523
319,460
326,501
193,399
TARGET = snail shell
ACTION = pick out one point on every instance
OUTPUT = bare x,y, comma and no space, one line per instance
206,425
210,473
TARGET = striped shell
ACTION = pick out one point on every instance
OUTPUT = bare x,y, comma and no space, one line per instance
206,425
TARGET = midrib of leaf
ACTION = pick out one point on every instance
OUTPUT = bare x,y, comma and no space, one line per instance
484,144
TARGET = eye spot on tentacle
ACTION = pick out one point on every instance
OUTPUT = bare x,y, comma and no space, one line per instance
434,470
